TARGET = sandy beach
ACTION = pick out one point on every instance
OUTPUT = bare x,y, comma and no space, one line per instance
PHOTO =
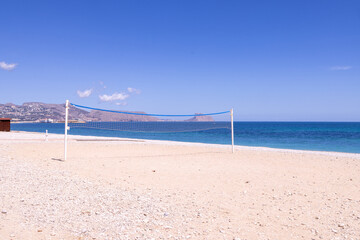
140,189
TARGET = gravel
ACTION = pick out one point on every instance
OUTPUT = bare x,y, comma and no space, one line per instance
62,203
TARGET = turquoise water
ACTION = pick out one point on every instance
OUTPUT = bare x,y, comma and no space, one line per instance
320,136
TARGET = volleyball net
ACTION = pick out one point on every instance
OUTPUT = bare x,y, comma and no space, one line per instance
145,125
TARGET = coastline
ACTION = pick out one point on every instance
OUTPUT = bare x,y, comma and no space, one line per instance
58,136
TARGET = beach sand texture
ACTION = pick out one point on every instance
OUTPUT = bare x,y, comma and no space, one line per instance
162,190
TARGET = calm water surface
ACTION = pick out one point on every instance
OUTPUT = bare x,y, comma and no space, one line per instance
321,136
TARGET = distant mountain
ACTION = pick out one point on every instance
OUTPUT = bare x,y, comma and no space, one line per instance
44,112
121,117
36,111
200,118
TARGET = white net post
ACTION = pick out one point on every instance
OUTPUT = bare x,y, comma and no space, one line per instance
232,129
66,128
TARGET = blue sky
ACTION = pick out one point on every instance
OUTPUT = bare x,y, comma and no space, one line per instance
269,60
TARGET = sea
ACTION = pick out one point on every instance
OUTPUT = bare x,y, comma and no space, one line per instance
319,136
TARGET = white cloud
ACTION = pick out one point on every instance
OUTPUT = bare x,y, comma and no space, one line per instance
114,97
85,93
121,103
133,90
340,68
7,66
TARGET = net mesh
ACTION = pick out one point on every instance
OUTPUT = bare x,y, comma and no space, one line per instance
103,119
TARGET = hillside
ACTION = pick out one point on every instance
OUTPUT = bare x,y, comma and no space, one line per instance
36,111
200,118
44,112
109,116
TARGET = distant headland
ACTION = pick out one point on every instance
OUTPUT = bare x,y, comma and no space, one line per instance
45,112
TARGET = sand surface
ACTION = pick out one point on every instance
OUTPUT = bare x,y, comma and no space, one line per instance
126,189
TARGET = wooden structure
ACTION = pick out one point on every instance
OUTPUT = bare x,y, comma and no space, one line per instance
5,124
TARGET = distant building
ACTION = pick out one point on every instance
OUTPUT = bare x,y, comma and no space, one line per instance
5,124
46,120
